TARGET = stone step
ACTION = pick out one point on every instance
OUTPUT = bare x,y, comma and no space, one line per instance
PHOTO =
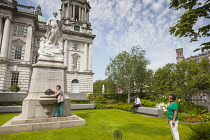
54,123
40,120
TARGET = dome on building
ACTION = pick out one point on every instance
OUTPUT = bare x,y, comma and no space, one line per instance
41,19
179,45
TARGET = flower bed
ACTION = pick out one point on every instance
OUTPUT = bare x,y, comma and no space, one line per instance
191,118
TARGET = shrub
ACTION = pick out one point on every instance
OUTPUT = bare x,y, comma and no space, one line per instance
110,106
205,116
11,103
14,88
115,97
148,103
200,132
122,106
100,102
100,106
191,108
80,101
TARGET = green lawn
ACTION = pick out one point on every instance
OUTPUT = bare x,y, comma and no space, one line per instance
100,126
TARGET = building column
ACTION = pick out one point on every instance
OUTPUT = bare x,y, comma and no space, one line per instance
63,13
70,11
66,53
85,14
28,46
88,17
85,57
79,19
90,57
1,30
69,61
82,18
5,39
73,12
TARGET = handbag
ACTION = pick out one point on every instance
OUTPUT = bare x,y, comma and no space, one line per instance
48,92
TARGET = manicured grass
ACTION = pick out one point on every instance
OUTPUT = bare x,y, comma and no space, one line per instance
100,126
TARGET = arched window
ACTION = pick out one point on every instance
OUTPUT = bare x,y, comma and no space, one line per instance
75,81
75,86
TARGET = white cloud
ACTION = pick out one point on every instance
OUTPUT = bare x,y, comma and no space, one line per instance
121,24
157,6
147,2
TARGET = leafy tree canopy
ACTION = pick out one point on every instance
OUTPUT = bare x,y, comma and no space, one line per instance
129,70
185,27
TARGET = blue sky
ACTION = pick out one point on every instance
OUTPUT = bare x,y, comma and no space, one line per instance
121,24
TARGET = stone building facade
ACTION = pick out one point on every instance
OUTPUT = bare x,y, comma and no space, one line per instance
198,58
21,28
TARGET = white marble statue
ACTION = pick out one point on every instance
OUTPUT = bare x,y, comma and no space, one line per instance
103,88
51,45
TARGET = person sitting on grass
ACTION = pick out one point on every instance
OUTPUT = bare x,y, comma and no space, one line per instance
137,103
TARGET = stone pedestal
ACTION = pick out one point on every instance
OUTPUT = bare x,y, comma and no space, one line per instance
45,75
38,108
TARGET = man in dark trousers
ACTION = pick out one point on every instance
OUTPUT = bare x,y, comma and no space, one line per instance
137,104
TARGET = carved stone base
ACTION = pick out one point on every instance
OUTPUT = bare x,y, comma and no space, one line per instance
17,124
45,75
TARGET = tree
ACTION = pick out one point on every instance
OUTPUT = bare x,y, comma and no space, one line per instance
97,86
185,27
203,76
109,85
129,70
163,80
183,78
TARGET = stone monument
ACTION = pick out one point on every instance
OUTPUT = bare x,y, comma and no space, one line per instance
49,71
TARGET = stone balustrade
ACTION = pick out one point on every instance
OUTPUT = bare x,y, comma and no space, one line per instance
28,9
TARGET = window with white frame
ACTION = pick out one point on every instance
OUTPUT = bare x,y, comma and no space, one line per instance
20,30
18,52
14,78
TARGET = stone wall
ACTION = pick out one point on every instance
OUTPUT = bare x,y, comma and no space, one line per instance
201,97
4,77
13,96
85,82
20,96
24,78
3,68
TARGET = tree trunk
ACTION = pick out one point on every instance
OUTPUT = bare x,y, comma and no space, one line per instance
129,97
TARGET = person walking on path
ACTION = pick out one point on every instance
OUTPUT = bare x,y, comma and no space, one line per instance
60,102
137,103
173,116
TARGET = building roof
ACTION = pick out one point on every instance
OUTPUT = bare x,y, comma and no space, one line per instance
41,19
179,45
